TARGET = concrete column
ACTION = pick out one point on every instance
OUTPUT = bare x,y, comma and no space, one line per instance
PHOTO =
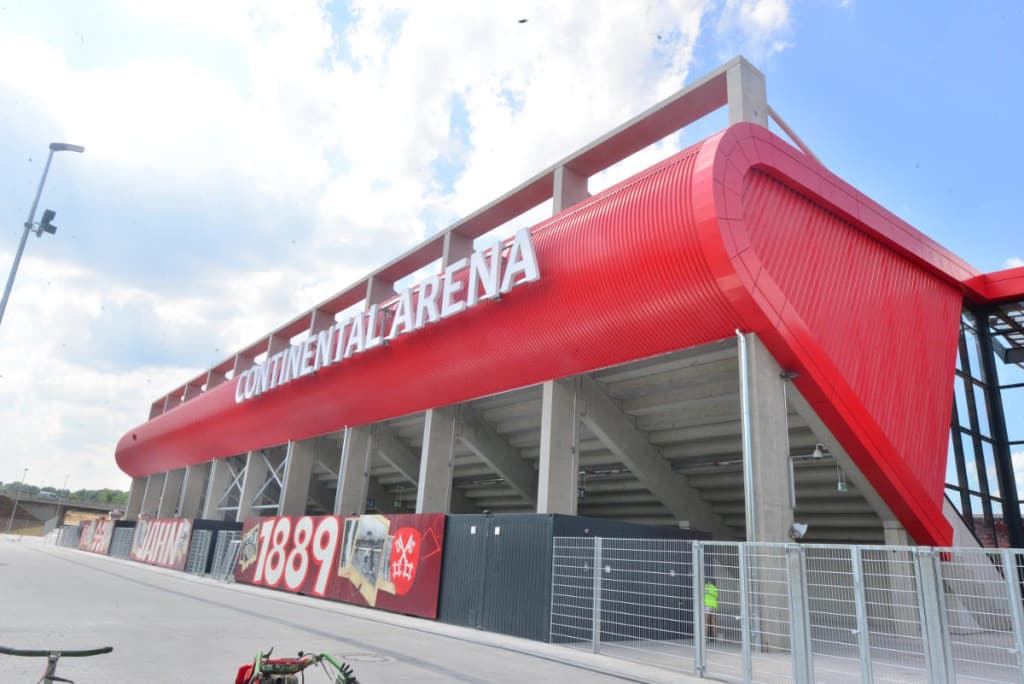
354,471
171,494
559,457
570,188
747,94
220,480
256,472
193,489
896,534
769,438
297,471
151,497
892,585
772,513
456,246
435,481
135,494
377,290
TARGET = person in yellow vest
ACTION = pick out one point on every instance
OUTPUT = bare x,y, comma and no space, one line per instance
710,607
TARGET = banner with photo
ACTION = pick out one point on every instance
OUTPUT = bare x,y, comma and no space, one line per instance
96,536
162,542
391,562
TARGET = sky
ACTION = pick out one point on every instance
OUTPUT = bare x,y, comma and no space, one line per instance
246,159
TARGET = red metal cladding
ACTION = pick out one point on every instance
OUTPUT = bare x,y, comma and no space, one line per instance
739,231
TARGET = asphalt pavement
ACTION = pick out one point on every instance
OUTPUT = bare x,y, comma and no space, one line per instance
168,626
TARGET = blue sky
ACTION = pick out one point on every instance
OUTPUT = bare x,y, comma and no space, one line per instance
247,159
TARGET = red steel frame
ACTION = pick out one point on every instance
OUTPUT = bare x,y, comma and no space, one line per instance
740,231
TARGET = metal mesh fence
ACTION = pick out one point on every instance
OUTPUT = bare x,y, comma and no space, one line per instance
69,536
897,649
979,593
572,591
646,600
198,552
225,555
121,541
788,612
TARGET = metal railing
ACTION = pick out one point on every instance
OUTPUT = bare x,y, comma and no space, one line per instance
198,552
794,612
121,542
225,555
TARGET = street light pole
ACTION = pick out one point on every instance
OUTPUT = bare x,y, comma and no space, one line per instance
17,497
54,147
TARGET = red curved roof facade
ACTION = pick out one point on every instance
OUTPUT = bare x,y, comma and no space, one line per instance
740,231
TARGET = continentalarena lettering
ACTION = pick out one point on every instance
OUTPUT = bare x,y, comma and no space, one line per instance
485,274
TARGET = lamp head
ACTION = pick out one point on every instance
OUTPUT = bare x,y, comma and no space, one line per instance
797,530
66,147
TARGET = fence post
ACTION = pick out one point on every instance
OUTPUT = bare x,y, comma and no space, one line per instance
1011,572
799,615
863,629
596,609
934,632
744,612
699,626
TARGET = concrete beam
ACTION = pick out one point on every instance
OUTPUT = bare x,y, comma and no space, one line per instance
435,478
558,464
633,449
193,489
354,471
480,438
383,500
135,495
387,445
151,497
853,475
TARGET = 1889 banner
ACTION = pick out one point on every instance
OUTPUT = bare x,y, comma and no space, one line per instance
385,561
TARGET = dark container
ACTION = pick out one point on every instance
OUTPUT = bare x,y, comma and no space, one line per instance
496,573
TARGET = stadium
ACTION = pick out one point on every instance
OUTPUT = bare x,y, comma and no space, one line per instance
733,340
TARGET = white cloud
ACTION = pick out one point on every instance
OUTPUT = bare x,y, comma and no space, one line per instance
755,28
1013,262
235,182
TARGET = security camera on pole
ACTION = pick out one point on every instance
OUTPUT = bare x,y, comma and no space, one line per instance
45,226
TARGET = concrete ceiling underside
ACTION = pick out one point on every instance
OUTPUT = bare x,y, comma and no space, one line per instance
686,408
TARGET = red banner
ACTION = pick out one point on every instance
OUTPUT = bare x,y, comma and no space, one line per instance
391,562
162,542
96,535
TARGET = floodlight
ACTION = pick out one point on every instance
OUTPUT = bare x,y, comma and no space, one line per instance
46,225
